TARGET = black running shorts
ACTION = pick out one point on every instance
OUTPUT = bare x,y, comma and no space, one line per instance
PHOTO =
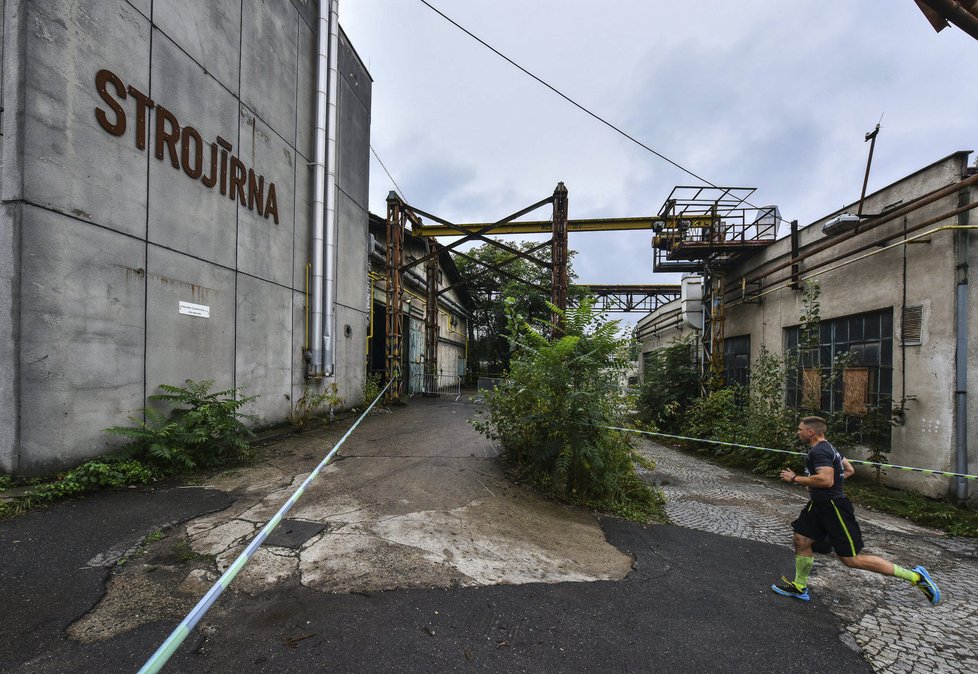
835,519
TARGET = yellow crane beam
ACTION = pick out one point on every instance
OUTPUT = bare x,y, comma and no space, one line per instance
545,226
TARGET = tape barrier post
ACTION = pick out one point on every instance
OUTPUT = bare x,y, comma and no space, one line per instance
177,637
926,471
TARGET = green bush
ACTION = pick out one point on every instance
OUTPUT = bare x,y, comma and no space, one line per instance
756,415
548,415
202,430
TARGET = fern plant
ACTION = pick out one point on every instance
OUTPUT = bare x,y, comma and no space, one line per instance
202,429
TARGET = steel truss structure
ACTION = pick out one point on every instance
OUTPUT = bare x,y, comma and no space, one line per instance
626,298
398,216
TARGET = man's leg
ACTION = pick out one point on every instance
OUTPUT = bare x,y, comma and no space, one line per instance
918,577
804,558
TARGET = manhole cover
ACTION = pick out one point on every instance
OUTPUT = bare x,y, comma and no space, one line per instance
293,533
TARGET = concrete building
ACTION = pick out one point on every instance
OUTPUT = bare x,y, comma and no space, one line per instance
895,296
454,311
158,202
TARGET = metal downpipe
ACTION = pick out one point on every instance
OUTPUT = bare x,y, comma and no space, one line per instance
314,365
329,327
324,196
961,391
962,250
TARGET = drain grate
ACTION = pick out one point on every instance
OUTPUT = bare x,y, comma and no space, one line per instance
293,533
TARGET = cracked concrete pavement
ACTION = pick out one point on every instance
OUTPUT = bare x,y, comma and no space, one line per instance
417,517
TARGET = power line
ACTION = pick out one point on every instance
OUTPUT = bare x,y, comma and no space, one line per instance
563,95
575,103
393,182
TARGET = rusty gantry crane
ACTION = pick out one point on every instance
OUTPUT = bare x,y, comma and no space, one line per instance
609,297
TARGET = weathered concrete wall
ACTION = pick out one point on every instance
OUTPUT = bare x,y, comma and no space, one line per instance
108,225
877,283
888,277
660,329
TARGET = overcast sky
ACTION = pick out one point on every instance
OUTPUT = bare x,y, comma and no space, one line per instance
776,96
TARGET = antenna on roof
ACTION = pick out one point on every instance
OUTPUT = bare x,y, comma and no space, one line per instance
871,137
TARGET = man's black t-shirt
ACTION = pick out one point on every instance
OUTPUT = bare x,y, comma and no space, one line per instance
824,454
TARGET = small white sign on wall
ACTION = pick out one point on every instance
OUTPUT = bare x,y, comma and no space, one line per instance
190,309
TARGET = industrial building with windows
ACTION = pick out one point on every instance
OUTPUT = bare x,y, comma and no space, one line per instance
895,301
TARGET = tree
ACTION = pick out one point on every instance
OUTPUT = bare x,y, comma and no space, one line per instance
489,350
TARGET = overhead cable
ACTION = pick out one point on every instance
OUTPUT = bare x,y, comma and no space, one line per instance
393,182
569,99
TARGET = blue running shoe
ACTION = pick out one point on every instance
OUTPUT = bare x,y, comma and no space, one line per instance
789,589
928,586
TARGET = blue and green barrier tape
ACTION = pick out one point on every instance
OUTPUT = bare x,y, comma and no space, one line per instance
177,637
926,471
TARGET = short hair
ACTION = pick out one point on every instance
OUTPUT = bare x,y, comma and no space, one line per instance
817,424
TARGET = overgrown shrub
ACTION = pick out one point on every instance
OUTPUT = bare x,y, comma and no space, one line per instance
548,414
756,415
202,429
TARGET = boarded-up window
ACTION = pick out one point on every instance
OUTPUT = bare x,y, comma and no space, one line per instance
811,389
912,325
855,385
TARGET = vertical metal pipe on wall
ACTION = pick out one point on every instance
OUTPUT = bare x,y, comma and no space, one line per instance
324,195
329,327
963,240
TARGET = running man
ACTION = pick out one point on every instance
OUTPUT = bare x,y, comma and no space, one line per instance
829,513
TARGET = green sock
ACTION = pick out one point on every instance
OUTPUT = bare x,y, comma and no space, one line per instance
803,566
911,577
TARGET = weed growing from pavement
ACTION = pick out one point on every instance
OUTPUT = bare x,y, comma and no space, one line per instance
141,549
104,473
186,554
312,405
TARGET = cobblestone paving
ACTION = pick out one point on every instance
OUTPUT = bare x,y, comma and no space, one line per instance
897,630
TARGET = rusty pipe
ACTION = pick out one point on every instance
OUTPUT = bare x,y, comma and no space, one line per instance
775,285
814,248
953,11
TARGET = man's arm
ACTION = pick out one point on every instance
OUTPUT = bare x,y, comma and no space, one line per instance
847,469
823,478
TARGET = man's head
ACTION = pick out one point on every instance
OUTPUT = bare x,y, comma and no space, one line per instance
811,429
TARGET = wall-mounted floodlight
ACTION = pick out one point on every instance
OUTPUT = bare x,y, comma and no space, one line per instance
840,223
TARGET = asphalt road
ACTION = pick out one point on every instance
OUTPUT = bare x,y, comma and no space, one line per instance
695,602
